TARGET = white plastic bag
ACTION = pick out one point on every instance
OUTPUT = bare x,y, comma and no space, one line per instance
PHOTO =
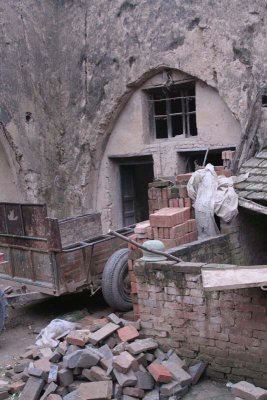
55,329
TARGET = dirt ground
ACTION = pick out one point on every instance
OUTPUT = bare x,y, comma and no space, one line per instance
24,323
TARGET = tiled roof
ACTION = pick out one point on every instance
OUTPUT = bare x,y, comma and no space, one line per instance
255,186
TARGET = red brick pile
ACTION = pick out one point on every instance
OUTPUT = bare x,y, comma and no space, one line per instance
102,359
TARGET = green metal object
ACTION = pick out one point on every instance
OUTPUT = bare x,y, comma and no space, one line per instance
153,245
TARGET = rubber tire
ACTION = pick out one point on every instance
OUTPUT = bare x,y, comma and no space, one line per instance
111,281
3,310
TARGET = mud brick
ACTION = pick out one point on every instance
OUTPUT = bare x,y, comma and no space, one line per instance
78,337
172,192
169,217
102,333
51,388
134,392
166,233
81,358
161,233
43,364
171,203
32,389
247,391
160,373
4,395
188,202
192,225
128,379
169,243
16,387
150,233
178,231
141,346
52,376
192,236
63,347
106,352
196,371
99,374
45,352
182,190
171,389
164,193
141,227
54,397
95,390
21,366
65,377
124,362
128,333
178,373
183,178
155,233
181,203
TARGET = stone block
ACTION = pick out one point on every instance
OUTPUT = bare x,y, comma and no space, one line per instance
105,352
95,390
65,377
178,373
62,347
196,371
78,337
43,364
248,391
16,387
81,358
134,392
103,333
54,397
160,373
51,388
144,380
141,346
124,362
32,389
114,319
128,333
99,374
171,389
128,379
152,395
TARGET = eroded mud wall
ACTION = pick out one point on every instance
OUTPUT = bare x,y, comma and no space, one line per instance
74,64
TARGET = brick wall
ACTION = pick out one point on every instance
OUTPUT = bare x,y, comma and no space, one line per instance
247,238
227,329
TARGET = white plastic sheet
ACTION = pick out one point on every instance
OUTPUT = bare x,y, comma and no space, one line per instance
211,194
54,330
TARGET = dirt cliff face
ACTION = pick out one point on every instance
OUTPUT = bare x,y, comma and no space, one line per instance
67,69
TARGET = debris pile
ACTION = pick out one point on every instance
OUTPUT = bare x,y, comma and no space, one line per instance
102,359
247,391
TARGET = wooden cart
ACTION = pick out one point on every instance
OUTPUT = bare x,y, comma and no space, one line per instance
46,256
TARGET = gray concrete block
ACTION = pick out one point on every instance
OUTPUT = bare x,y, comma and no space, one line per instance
128,379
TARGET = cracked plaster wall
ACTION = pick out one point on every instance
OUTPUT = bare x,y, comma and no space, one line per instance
74,64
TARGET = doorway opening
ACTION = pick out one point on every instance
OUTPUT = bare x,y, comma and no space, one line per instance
135,175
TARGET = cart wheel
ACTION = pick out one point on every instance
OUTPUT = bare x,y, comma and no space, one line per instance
115,281
3,310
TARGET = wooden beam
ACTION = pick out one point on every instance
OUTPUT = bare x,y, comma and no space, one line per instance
225,277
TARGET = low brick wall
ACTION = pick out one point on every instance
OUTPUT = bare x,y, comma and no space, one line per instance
227,329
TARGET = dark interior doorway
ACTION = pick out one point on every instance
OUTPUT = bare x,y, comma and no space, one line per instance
135,174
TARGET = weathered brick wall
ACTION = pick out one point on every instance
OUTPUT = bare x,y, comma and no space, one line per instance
227,329
212,250
247,238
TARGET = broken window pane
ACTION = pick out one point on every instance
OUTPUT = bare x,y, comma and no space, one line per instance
161,128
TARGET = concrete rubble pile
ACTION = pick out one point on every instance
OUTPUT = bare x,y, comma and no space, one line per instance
102,359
